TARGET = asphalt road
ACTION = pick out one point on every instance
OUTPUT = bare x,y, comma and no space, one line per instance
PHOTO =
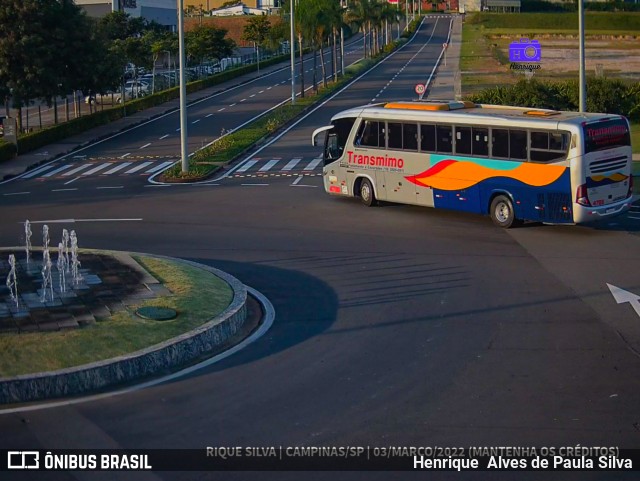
395,326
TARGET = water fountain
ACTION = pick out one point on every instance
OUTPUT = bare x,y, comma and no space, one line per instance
65,246
61,264
47,284
12,280
27,239
75,263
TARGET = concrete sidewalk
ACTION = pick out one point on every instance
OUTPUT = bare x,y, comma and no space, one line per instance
22,163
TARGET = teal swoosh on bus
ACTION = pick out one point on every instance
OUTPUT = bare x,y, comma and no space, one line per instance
488,163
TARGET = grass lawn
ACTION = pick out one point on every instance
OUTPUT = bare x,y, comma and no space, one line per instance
635,138
198,296
611,23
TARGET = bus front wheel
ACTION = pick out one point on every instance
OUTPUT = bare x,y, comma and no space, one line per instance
367,196
501,212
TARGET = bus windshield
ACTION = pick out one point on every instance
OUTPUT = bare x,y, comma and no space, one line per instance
606,134
337,139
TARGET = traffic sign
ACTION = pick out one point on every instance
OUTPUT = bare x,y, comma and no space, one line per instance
420,89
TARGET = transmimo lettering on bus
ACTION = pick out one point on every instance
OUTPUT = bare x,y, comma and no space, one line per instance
514,164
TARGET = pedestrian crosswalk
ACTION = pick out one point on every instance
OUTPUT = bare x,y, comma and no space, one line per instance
275,166
102,167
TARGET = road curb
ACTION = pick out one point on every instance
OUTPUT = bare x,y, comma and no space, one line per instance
169,355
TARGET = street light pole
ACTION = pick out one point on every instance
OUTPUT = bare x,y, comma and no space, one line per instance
183,91
293,57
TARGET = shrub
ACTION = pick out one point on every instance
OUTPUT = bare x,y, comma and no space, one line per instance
603,95
7,150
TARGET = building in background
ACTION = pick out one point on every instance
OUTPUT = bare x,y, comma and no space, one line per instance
164,12
208,5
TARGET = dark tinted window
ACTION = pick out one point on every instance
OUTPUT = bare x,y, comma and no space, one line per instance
427,138
395,135
444,138
518,144
548,146
500,143
606,134
480,141
371,134
410,136
342,128
463,140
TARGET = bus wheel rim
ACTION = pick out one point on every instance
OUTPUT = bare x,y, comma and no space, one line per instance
502,212
365,192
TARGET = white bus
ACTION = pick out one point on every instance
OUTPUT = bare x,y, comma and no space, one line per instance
512,163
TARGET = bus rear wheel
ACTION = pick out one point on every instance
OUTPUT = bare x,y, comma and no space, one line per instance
501,211
367,196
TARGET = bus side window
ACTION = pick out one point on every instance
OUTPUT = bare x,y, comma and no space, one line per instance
410,136
427,138
445,140
395,135
518,144
368,135
463,140
480,141
500,143
547,146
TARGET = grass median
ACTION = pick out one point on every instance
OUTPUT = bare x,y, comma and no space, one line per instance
198,296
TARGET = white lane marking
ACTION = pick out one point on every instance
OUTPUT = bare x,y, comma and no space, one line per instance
125,155
116,168
295,182
259,185
35,172
163,137
243,100
252,95
160,167
54,172
17,193
220,110
313,164
61,190
232,104
303,185
196,121
291,164
100,167
72,180
112,187
138,167
247,166
73,221
145,145
262,91
178,129
269,88
632,217
268,165
76,170
209,115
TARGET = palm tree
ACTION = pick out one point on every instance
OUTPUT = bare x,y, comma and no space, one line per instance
358,15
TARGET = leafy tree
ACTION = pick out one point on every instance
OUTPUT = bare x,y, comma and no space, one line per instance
256,30
45,46
120,25
208,42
